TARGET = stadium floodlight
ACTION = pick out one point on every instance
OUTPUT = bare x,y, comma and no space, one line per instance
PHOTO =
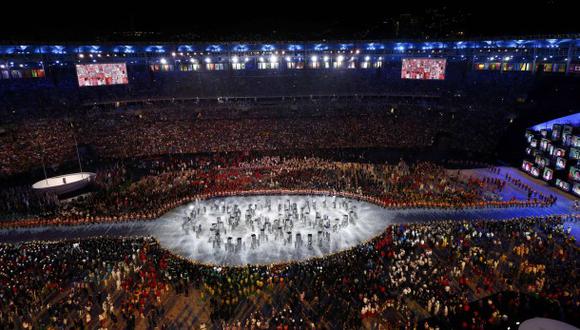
314,58
235,59
163,61
273,59
208,60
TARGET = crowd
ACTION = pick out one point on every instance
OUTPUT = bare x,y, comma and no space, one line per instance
151,156
444,274
290,125
145,189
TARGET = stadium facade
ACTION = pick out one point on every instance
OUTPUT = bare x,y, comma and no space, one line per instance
562,50
210,70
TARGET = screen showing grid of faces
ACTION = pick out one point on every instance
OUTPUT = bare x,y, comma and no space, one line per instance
423,68
553,154
102,74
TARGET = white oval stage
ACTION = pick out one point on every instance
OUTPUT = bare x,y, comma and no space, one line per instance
540,323
268,229
63,184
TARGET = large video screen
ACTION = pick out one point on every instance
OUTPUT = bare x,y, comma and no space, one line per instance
423,68
102,74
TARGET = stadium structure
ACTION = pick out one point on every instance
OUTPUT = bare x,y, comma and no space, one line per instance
391,184
282,69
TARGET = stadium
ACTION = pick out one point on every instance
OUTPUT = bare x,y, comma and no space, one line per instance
335,183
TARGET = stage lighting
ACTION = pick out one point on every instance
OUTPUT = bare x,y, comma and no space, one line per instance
235,59
314,58
273,59
163,61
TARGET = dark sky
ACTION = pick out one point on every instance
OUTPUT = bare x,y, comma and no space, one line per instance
283,20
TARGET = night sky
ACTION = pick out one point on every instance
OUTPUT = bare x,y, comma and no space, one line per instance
213,21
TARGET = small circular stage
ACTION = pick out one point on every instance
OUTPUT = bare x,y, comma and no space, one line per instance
268,229
540,323
64,184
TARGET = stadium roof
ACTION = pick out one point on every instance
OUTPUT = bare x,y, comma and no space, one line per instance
240,47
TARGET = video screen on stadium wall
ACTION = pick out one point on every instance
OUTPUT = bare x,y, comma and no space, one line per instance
576,189
575,141
562,185
102,74
548,174
574,173
560,163
527,166
423,68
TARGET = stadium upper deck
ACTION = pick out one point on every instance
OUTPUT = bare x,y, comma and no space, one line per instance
144,71
562,50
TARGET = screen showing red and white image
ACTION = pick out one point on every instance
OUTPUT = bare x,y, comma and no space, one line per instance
423,68
102,74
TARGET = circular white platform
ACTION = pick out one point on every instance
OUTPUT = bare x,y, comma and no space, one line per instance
540,323
269,229
63,184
